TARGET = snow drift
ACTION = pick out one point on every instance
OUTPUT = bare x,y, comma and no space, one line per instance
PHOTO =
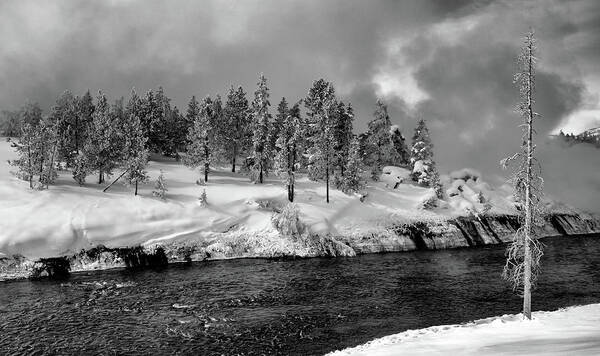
570,331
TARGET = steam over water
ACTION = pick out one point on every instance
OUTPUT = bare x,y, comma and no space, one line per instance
299,307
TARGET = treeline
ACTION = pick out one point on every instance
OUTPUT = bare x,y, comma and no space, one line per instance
314,135
588,136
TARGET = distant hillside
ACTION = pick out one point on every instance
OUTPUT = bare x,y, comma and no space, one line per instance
591,136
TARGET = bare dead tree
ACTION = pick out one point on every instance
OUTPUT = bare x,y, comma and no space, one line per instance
524,253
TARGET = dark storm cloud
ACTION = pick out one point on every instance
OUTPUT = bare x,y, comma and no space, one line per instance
450,62
195,47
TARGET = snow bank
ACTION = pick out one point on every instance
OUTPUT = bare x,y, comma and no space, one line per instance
67,218
467,193
393,176
570,331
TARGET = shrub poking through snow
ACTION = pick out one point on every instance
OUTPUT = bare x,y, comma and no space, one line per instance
288,221
486,205
160,187
429,201
202,200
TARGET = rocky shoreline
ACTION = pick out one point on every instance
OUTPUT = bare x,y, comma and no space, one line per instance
459,232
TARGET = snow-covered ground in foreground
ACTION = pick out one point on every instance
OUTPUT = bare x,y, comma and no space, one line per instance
67,218
570,331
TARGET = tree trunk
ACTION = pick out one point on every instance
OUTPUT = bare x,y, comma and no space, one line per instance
116,179
136,187
528,207
327,177
100,177
51,165
77,134
30,166
205,172
233,158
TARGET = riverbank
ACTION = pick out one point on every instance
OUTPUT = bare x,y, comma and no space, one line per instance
78,228
462,232
569,331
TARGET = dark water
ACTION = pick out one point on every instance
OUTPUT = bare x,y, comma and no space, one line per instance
299,307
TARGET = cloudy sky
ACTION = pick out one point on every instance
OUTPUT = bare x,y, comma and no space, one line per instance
449,62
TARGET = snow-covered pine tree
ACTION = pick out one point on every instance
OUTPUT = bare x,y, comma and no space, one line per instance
102,151
399,143
27,154
380,139
191,115
160,187
321,105
10,123
286,147
260,131
277,125
135,153
31,114
49,141
352,181
342,137
37,149
236,128
524,253
422,164
65,117
28,143
85,109
199,147
160,109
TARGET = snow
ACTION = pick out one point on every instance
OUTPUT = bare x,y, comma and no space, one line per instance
67,218
570,331
392,175
463,187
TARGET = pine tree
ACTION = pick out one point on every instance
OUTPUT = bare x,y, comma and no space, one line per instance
399,143
37,149
321,105
31,114
49,141
65,116
260,131
286,147
199,148
352,181
102,151
135,152
235,129
382,150
524,253
277,125
26,150
342,138
10,124
191,115
160,187
85,110
423,167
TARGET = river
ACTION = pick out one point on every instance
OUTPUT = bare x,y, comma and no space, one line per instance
303,307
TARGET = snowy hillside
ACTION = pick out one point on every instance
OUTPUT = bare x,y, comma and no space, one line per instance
67,218
571,331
